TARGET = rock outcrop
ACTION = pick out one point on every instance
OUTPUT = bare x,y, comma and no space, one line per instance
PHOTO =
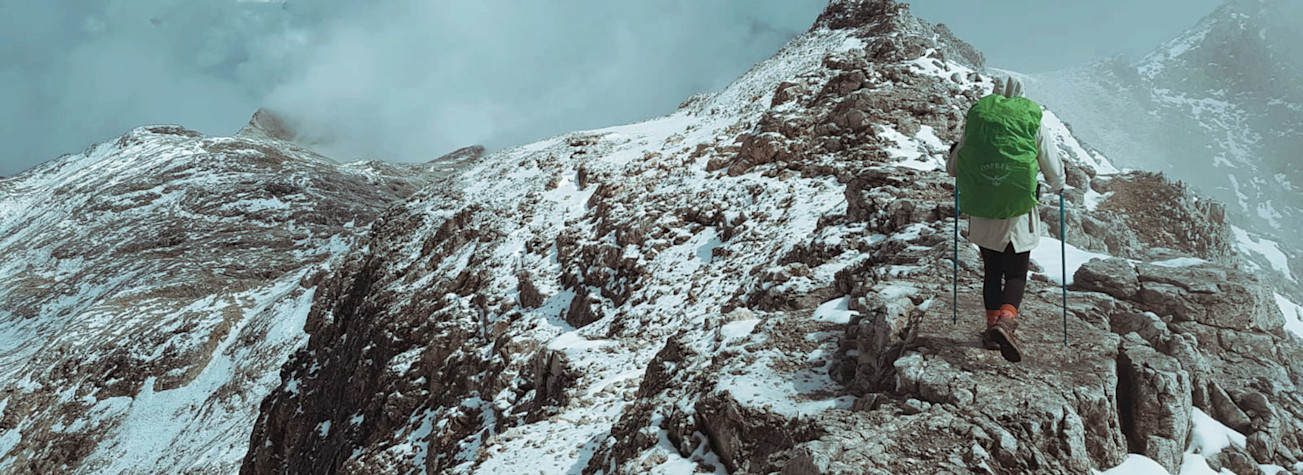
1231,355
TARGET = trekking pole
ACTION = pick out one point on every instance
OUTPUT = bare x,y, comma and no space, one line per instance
1063,253
955,293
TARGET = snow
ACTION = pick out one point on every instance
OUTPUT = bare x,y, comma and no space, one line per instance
737,330
572,340
709,240
835,311
1293,315
609,371
1136,464
850,43
1181,262
188,416
1266,248
758,387
8,439
1195,464
929,66
1050,257
1094,199
1268,213
569,196
258,204
1152,64
414,443
1208,436
911,153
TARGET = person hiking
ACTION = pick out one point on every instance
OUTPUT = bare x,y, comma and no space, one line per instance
995,164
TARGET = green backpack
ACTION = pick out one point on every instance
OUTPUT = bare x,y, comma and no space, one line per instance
996,168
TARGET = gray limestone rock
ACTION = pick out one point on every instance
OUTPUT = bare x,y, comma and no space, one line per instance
1115,277
1155,402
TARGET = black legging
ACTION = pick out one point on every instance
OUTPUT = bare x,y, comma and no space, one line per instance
1006,277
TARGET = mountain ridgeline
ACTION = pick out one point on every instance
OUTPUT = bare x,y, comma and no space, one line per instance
759,282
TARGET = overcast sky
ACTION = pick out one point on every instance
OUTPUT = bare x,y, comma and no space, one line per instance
412,79
1044,35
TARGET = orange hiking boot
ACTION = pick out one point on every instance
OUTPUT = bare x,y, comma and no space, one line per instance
1003,333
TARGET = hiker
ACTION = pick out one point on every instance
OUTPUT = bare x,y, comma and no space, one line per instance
995,163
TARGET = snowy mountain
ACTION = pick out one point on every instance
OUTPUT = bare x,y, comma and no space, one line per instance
759,282
1220,107
153,286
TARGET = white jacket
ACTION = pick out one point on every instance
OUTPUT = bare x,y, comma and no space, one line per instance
1023,231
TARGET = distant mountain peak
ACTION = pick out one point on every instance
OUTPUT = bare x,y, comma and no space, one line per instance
270,124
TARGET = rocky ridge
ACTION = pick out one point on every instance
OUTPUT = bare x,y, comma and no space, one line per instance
748,284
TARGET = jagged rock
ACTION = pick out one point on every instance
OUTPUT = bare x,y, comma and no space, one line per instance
1218,297
1115,277
1154,396
1164,214
529,294
552,377
1225,410
787,92
1221,298
743,437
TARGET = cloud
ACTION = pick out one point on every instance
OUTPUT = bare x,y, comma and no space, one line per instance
412,79
396,79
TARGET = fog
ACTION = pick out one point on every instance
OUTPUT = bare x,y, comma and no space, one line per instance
396,80
408,80
1032,36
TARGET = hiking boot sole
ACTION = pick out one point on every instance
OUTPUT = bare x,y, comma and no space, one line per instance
1008,348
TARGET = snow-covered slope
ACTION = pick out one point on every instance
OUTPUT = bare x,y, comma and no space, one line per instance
152,286
1220,107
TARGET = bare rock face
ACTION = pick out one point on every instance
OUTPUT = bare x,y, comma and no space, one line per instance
1221,327
1155,402
1209,295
